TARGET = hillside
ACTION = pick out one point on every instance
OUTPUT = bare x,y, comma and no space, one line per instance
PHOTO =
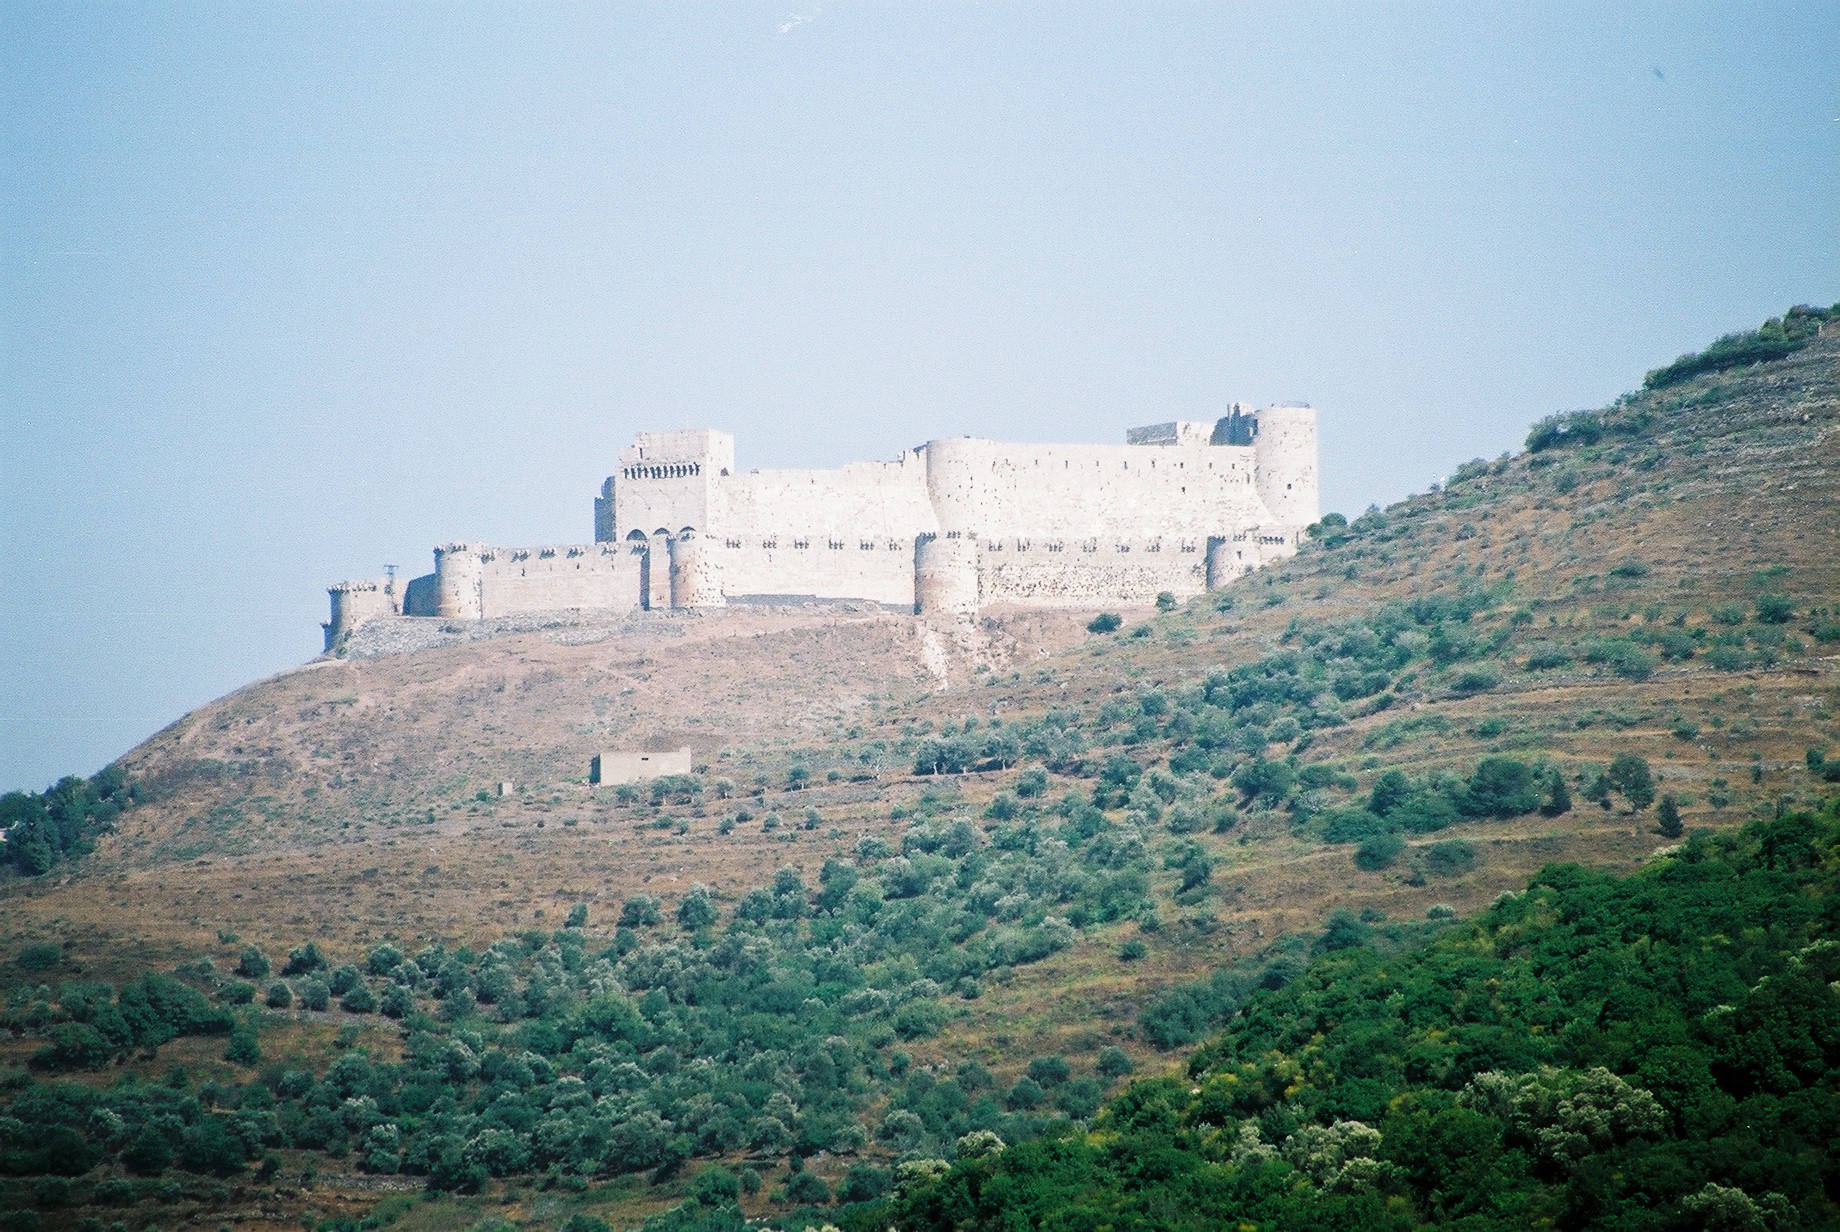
337,786
1636,1053
994,855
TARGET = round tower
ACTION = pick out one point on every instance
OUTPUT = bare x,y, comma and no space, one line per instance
1223,562
1284,453
458,574
957,475
695,575
946,573
353,603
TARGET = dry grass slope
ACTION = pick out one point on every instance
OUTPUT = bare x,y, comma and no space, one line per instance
352,800
342,799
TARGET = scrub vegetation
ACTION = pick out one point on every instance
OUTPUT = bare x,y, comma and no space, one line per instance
1353,826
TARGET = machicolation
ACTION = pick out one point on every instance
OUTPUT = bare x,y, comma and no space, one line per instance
948,527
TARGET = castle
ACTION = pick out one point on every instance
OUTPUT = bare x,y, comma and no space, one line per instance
948,528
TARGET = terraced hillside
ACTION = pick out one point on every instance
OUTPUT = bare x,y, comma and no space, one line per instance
992,868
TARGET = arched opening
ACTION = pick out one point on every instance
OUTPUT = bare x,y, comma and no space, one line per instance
662,533
637,534
686,532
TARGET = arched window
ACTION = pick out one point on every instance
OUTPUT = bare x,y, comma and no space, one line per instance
636,534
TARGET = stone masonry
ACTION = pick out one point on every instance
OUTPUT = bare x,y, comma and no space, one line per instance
949,527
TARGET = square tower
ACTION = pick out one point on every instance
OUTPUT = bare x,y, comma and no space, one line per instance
666,483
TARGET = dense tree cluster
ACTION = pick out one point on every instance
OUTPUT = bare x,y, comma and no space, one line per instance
769,1030
1654,1052
61,823
1774,339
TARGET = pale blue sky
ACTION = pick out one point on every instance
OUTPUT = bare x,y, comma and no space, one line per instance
294,291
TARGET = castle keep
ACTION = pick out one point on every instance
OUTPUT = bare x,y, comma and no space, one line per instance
949,527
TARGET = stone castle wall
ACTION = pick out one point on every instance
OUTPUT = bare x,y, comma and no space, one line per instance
1078,573
826,565
1086,491
474,582
951,526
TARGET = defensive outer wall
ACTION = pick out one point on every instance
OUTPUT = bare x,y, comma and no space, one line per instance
949,527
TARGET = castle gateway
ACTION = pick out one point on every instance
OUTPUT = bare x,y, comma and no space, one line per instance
949,527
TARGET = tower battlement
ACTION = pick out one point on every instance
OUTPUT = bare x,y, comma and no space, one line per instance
950,526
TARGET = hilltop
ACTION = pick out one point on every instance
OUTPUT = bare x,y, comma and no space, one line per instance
1644,549
1029,843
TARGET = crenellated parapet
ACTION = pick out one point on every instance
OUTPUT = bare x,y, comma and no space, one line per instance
947,527
355,602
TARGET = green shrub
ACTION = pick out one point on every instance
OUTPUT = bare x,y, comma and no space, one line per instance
715,1186
113,1191
919,1020
1630,775
304,960
74,1045
244,1048
1104,622
1500,787
1667,818
1450,858
1548,657
1390,790
1564,431
862,1183
1266,780
1379,852
807,1189
1727,658
40,956
1050,1071
1474,680
1353,825
1775,609
696,909
1424,813
1026,1094
1112,1063
641,911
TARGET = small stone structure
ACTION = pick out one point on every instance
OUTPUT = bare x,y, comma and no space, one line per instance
948,527
616,768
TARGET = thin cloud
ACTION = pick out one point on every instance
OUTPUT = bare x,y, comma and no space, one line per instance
799,19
